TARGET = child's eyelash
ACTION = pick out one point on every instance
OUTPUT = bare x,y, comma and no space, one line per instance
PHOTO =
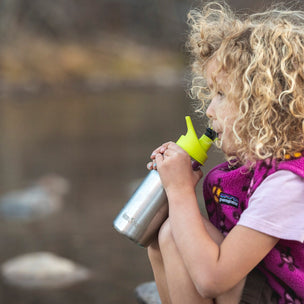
220,93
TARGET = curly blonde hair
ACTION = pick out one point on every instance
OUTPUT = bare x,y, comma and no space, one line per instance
263,57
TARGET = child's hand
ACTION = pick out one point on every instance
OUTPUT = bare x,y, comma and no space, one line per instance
174,166
152,165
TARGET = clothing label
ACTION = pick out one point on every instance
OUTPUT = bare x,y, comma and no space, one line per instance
228,199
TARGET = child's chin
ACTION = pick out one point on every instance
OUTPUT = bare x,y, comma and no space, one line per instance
227,148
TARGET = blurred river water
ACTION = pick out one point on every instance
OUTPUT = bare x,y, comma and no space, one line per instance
99,142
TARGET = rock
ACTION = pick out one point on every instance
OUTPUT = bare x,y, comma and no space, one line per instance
35,202
146,293
42,270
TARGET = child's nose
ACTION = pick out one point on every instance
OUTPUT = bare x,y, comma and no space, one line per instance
210,110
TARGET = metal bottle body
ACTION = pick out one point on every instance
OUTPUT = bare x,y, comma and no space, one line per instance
142,216
144,213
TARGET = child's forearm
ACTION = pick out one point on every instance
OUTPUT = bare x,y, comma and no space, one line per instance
196,239
215,266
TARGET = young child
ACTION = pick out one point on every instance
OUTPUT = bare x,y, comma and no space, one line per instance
249,72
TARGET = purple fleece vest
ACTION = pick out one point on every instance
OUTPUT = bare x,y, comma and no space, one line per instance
227,192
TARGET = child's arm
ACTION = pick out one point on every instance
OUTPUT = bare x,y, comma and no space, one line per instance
213,268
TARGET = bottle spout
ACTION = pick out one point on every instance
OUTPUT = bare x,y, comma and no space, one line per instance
185,141
196,148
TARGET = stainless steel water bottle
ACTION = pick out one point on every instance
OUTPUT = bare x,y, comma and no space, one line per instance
142,216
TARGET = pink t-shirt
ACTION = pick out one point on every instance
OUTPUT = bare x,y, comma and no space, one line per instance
277,207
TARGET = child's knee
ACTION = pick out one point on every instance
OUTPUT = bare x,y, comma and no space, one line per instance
165,236
158,246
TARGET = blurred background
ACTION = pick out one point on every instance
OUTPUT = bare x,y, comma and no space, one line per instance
88,89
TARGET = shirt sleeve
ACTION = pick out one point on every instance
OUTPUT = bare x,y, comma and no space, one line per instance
277,207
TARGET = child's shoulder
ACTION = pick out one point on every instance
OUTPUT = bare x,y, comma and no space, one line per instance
264,168
293,162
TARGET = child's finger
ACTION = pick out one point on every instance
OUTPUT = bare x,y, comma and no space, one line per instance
159,158
168,153
154,165
150,166
173,146
161,149
154,153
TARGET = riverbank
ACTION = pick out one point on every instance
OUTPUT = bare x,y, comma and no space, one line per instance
31,63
